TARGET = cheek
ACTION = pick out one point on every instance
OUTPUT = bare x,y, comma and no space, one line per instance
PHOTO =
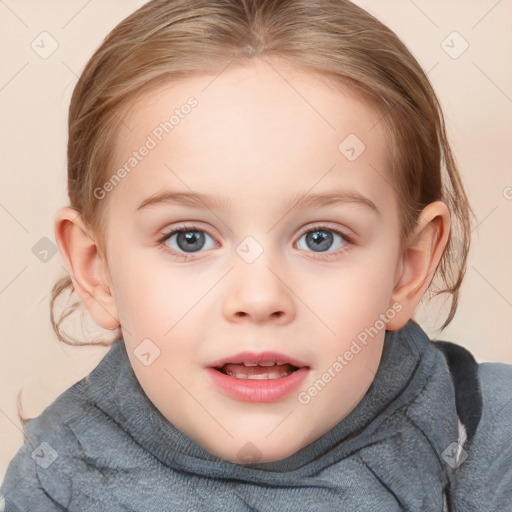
155,298
141,289
350,297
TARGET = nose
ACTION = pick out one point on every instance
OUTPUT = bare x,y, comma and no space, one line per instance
259,292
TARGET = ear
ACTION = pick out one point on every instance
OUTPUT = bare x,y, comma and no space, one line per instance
419,261
87,267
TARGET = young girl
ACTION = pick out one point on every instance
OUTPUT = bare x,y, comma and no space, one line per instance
261,192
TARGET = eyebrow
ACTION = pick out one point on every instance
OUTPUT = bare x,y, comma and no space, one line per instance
333,198
193,200
303,200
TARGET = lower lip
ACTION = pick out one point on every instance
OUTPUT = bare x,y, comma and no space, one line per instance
258,390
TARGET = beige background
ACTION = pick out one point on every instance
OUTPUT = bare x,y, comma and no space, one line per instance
475,90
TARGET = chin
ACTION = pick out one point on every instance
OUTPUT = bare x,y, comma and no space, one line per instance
253,452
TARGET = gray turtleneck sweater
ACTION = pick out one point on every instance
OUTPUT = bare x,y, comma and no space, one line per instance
103,446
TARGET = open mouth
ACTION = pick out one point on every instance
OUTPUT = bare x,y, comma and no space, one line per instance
257,371
258,377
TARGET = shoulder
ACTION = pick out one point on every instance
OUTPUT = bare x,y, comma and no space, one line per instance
46,439
484,480
495,428
496,381
67,440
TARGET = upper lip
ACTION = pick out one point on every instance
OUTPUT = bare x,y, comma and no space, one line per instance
258,358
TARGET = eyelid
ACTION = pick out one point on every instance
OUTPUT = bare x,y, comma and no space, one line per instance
325,227
349,240
166,234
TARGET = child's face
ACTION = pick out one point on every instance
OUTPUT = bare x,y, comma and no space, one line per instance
259,277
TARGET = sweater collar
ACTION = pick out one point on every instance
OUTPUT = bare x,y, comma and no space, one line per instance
409,360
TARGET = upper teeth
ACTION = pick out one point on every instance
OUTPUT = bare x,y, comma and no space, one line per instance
259,377
259,364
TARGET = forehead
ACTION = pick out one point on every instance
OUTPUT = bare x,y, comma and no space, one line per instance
265,128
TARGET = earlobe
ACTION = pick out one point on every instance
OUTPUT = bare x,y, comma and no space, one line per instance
419,261
86,266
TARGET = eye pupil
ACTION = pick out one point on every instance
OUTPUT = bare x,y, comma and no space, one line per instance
322,240
190,241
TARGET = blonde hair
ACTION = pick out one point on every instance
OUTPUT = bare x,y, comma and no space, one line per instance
169,40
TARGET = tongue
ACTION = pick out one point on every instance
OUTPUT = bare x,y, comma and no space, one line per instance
258,371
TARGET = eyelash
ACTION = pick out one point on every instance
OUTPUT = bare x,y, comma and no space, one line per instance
187,257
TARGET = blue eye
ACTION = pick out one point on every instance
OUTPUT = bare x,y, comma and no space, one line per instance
188,240
321,239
